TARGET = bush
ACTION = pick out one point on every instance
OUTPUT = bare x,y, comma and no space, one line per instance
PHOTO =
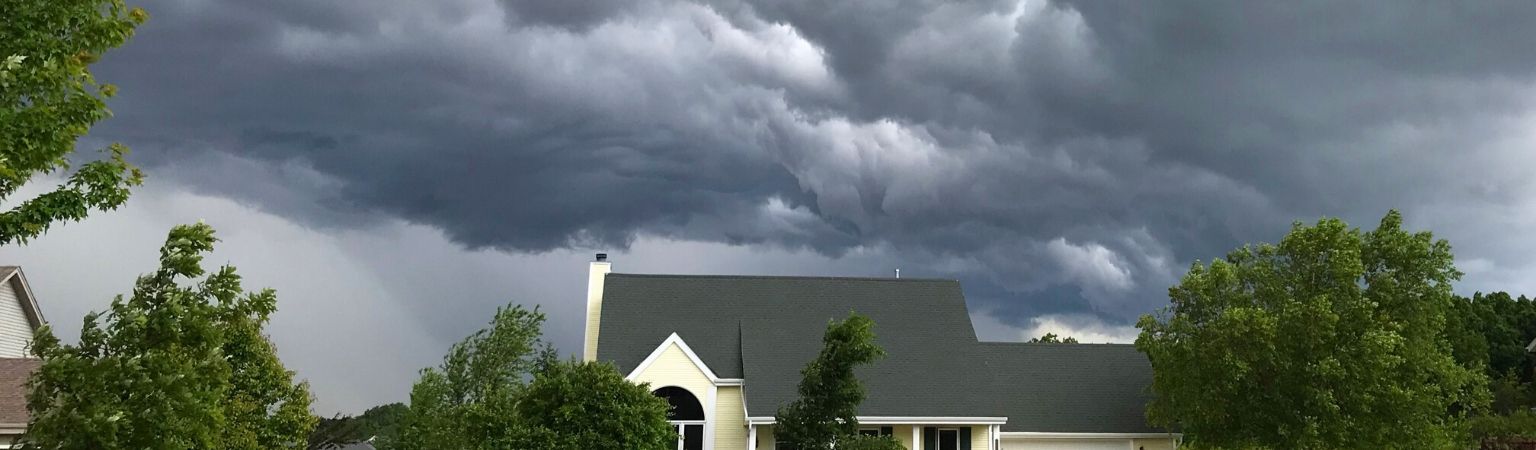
1521,424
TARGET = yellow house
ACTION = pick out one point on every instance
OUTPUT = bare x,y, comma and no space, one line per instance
726,352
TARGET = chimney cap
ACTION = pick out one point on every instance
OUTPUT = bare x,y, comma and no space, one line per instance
602,257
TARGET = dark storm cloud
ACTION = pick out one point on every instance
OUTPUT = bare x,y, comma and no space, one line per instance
1058,157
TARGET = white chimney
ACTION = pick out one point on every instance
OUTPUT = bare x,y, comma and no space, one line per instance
597,272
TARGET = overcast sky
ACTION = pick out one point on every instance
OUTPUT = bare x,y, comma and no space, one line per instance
397,169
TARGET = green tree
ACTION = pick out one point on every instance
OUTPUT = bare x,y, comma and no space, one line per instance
1332,339
1052,338
503,388
591,406
826,413
469,401
49,99
1492,330
176,365
380,423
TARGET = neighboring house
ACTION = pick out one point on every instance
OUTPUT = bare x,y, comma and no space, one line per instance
726,351
1531,350
19,318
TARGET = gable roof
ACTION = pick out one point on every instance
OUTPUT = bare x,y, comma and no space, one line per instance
1069,388
13,391
765,329
18,281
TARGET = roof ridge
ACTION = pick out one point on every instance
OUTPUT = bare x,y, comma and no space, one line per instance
773,277
1011,344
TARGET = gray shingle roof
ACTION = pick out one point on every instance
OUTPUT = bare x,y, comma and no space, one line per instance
1069,388
765,329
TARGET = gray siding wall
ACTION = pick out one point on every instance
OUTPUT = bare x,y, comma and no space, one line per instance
15,330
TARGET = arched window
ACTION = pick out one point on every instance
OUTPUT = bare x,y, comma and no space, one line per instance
684,405
687,414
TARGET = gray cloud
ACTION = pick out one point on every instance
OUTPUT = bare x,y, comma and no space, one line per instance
1066,160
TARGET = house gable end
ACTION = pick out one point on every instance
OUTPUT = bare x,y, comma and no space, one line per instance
19,314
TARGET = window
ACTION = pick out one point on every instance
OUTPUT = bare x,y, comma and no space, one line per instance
949,439
686,414
869,431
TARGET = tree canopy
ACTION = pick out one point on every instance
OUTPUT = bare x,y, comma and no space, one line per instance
381,424
1332,339
826,413
1052,338
467,402
589,405
48,100
502,388
180,363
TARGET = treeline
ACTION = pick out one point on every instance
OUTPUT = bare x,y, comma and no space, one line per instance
1492,331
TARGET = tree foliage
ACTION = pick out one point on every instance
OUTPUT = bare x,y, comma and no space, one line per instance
1332,339
175,365
1052,338
826,413
1494,329
468,401
502,388
380,424
591,406
49,99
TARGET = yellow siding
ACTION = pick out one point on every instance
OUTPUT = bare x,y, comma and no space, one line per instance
1153,444
730,419
904,434
673,368
979,437
597,273
765,437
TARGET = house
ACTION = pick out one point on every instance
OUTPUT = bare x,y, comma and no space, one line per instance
19,318
726,352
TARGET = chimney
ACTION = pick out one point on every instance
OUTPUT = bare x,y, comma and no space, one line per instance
597,272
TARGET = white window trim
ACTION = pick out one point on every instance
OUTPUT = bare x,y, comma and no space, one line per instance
904,420
938,436
709,402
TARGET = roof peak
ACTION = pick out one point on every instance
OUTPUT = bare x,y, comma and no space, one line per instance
1051,344
779,277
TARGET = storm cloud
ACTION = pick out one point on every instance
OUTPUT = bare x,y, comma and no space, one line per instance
1066,160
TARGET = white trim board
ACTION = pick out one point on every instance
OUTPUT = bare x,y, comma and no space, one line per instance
694,357
1049,435
904,420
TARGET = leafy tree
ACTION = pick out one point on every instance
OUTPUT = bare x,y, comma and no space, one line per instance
1332,339
1501,326
173,366
469,401
826,413
49,99
380,423
591,406
1052,338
